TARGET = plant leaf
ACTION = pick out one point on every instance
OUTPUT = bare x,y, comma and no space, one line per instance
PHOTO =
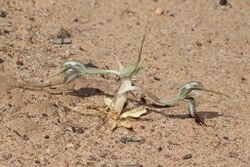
73,64
188,87
191,106
182,93
126,124
112,124
71,74
134,113
131,70
113,115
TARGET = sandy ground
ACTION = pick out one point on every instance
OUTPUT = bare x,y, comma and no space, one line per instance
187,40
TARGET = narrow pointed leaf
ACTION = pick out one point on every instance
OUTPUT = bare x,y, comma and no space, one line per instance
71,74
191,106
112,124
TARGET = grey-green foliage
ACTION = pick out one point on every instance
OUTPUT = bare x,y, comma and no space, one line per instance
73,68
130,70
182,93
191,106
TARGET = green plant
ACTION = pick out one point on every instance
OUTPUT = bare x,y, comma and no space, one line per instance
183,94
72,69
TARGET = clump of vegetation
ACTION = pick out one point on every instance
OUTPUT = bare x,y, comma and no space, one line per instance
73,69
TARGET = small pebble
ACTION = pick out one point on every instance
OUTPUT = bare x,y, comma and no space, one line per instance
4,32
172,15
188,156
69,145
44,115
142,101
37,162
223,2
157,78
3,13
142,127
199,44
126,139
19,62
46,136
243,79
159,149
1,60
159,11
72,129
62,37
80,130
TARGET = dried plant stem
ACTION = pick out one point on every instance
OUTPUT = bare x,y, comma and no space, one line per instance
121,97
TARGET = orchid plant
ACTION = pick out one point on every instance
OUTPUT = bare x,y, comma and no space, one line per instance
72,69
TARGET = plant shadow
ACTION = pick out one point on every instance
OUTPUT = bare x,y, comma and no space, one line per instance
87,92
202,114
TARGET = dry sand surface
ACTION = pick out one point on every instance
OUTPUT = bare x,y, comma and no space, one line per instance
186,40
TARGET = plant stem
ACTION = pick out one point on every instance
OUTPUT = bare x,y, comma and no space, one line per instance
121,97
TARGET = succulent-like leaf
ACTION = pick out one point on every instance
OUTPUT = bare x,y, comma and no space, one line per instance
182,93
192,110
188,87
73,64
70,75
193,85
73,68
191,106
